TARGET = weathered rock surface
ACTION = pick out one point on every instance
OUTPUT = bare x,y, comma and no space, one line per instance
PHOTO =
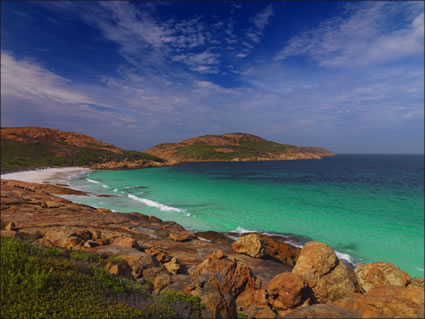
236,276
380,274
329,278
125,242
416,282
280,251
250,245
287,291
386,302
182,236
322,311
218,304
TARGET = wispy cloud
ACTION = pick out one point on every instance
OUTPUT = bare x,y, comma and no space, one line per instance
367,34
254,33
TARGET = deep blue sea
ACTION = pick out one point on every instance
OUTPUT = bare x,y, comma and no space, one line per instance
367,207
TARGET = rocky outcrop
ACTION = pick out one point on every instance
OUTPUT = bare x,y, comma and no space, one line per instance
322,311
234,276
325,274
250,245
386,302
380,274
217,303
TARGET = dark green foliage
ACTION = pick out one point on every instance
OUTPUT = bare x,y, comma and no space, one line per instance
177,298
51,283
16,155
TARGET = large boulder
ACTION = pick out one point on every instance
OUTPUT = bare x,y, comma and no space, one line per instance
287,291
325,274
235,276
250,245
280,251
217,303
386,302
380,274
322,311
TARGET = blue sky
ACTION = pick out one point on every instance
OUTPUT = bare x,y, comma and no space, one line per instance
347,76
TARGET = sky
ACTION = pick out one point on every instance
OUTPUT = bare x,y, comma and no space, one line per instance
347,76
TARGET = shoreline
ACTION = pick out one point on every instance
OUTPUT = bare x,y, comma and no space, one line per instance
244,275
44,175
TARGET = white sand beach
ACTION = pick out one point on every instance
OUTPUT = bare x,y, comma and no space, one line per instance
51,175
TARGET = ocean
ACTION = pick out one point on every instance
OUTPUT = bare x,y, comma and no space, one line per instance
368,208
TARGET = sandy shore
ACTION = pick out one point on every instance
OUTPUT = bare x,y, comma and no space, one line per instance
51,175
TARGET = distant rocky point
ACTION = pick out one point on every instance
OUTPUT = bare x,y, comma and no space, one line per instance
234,147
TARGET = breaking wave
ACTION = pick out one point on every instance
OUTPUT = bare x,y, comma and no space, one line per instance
152,203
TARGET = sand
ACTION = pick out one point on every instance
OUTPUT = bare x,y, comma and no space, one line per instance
46,175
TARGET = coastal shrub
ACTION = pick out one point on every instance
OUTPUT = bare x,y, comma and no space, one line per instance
17,155
84,256
47,283
178,300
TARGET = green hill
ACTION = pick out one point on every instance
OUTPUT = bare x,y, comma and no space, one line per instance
34,147
234,147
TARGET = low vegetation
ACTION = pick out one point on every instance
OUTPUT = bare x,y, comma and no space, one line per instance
53,283
247,149
18,155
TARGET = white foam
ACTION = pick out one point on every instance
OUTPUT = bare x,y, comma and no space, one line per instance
241,230
92,181
344,256
115,190
105,186
152,203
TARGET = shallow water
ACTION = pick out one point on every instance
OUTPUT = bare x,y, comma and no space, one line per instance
370,207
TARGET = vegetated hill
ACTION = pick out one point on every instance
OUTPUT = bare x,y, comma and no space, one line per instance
234,147
35,147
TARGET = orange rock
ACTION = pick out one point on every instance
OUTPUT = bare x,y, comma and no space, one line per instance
182,236
172,266
325,274
386,302
217,303
379,274
158,254
11,227
252,296
280,251
236,276
250,245
125,242
287,290
322,311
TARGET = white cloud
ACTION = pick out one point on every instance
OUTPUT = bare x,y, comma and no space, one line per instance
24,78
367,36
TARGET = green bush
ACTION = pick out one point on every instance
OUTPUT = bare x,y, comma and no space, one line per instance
45,283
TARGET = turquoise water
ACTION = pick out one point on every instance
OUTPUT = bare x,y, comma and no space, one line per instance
367,207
